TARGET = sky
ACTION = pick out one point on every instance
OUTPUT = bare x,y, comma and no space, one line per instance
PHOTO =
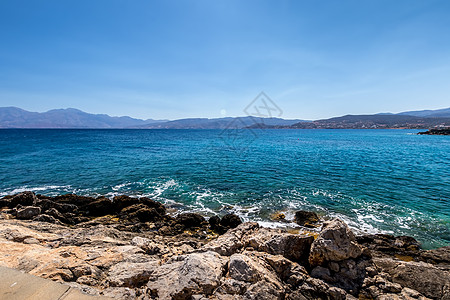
201,58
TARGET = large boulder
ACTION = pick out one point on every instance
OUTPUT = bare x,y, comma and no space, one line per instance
185,276
336,242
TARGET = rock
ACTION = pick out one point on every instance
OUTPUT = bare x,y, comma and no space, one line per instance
100,207
46,218
24,199
184,276
336,242
231,242
230,221
292,246
264,290
190,220
131,274
149,246
427,279
140,212
122,293
243,268
382,244
306,218
214,222
28,212
277,216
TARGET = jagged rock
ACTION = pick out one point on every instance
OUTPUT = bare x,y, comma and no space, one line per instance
122,293
263,290
381,244
149,246
231,241
306,218
184,276
24,199
243,268
292,246
100,207
46,218
336,242
131,274
28,212
427,279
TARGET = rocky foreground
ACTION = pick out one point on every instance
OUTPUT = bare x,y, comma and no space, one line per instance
131,248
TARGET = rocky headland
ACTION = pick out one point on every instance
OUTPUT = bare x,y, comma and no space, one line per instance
130,248
436,131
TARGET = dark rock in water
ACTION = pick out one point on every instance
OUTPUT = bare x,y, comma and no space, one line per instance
189,220
214,221
25,199
159,207
437,131
28,212
306,218
230,221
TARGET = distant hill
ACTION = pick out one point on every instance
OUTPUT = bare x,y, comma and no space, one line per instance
438,113
221,123
375,121
13,117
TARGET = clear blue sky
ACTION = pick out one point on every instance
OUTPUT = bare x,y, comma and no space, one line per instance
175,59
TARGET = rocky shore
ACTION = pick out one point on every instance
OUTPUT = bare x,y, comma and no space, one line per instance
436,131
129,248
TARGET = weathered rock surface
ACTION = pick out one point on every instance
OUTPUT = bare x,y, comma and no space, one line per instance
335,243
129,248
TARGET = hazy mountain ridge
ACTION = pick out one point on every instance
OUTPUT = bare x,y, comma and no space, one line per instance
13,117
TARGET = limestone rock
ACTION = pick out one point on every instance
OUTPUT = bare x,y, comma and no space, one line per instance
184,276
128,274
336,242
231,241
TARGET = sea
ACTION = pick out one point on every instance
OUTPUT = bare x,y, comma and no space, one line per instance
378,181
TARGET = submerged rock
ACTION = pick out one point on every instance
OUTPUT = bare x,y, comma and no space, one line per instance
306,218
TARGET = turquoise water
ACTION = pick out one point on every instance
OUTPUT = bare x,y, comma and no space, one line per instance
390,181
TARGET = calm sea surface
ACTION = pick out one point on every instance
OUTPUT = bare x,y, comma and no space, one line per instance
391,181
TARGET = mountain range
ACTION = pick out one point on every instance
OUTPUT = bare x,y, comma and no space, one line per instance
13,117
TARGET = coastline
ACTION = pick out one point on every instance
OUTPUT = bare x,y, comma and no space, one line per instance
132,249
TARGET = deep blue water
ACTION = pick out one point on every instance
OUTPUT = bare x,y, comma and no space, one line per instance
390,181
